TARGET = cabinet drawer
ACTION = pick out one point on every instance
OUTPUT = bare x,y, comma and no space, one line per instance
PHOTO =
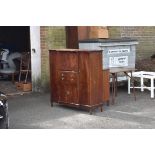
68,77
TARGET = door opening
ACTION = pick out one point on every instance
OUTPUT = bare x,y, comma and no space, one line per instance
14,42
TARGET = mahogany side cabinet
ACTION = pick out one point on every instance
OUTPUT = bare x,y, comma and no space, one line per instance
77,78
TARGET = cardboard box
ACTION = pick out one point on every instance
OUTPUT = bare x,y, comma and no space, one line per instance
96,32
18,85
24,86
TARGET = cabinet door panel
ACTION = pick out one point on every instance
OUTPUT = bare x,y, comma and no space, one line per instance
68,61
68,94
84,79
68,87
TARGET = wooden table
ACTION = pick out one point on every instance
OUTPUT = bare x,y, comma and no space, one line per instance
114,72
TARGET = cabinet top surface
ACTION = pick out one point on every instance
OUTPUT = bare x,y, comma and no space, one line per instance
74,50
115,40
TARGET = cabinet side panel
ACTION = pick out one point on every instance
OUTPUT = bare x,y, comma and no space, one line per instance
53,76
84,78
96,80
106,86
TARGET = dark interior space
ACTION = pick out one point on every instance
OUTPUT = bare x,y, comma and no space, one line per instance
15,38
14,43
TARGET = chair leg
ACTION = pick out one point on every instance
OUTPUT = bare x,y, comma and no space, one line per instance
142,83
129,85
152,88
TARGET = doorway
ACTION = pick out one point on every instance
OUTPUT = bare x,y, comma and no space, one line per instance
16,40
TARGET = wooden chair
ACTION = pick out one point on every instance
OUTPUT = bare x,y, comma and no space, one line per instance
25,67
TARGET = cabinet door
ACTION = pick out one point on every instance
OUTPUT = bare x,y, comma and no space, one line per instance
68,87
68,61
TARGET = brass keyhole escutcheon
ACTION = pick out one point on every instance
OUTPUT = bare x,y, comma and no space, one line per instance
67,92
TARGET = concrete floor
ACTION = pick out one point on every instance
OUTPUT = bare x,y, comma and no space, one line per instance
33,111
9,88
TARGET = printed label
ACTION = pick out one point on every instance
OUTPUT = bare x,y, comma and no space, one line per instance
118,61
118,51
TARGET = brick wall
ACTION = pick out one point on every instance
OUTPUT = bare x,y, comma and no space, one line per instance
144,34
55,37
52,37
